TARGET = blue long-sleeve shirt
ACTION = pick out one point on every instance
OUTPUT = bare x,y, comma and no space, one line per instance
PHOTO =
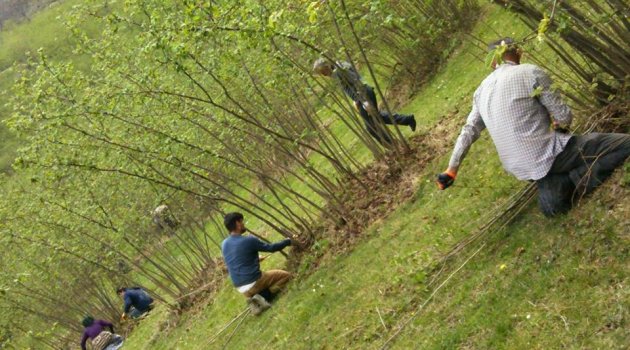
241,257
137,298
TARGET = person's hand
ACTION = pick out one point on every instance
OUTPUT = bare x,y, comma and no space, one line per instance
123,317
446,179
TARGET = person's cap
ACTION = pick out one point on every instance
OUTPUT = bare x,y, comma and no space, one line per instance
503,41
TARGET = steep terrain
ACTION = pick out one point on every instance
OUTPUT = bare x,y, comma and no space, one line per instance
403,270
534,283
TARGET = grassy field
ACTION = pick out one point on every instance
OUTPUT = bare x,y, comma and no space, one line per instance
537,283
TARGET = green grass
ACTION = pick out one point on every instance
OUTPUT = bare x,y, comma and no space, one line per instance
567,272
539,283
355,147
44,30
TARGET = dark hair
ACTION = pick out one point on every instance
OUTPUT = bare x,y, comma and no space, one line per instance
512,46
230,220
120,290
87,321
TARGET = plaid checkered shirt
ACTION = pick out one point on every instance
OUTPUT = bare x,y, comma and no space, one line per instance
350,80
516,104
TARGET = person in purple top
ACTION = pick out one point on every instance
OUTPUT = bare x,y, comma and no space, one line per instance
94,328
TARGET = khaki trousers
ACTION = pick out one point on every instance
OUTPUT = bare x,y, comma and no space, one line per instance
275,280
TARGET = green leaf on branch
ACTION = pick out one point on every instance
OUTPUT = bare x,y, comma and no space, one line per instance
537,91
543,26
311,10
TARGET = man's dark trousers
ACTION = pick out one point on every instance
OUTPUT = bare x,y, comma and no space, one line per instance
585,162
374,127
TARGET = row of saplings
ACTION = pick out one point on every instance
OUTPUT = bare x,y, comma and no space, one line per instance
527,121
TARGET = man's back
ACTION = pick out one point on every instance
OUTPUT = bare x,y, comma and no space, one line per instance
137,298
349,79
514,103
241,258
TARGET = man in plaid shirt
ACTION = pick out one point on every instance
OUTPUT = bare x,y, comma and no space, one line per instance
517,106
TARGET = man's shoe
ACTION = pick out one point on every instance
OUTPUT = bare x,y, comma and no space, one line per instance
412,123
258,304
262,302
253,307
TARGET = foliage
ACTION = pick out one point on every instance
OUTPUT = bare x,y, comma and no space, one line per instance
590,38
19,39
206,106
539,283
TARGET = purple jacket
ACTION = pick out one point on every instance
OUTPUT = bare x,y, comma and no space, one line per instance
94,330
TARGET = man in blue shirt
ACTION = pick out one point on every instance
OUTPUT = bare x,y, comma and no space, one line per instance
137,301
243,263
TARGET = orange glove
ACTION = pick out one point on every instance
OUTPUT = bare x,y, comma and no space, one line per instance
446,179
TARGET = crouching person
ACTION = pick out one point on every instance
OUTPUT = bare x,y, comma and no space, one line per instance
243,263
137,302
163,218
100,338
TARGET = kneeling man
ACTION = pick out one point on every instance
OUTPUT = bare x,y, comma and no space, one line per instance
243,263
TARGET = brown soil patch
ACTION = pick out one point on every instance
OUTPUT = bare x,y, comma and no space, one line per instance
203,288
380,188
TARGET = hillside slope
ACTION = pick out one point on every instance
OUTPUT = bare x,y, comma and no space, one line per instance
536,283
44,28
